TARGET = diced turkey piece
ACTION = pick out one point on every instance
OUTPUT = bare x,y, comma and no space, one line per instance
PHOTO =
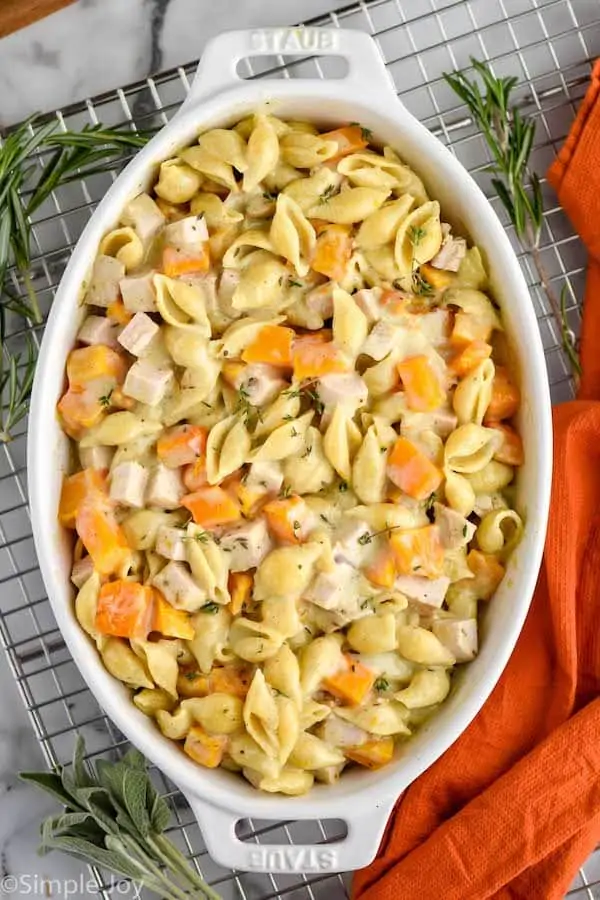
443,422
246,546
137,335
435,326
144,216
367,300
459,636
330,589
165,488
81,571
450,255
146,382
261,383
330,774
427,591
329,620
96,457
320,301
170,543
348,389
104,284
267,475
186,233
179,588
381,340
138,293
128,484
347,547
228,282
338,733
455,530
99,330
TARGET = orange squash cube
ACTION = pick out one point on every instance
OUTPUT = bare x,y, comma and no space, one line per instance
103,538
349,138
284,518
234,680
372,754
170,622
211,506
313,356
77,489
488,572
332,253
418,551
469,357
272,346
506,397
90,363
125,609
240,586
511,449
382,571
422,387
181,445
412,471
118,312
206,749
351,683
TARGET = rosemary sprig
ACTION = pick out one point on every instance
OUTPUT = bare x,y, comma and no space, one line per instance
114,818
24,187
16,378
509,136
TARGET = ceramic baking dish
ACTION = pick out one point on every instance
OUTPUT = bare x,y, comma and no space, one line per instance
219,97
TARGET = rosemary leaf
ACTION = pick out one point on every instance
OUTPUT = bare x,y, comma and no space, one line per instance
510,136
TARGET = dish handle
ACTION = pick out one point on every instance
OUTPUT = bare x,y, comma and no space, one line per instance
217,69
355,850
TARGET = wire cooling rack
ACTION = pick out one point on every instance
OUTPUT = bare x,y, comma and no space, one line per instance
549,45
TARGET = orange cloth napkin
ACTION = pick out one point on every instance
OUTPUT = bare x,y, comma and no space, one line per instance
513,807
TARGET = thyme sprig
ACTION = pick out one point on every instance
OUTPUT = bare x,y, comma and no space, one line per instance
509,136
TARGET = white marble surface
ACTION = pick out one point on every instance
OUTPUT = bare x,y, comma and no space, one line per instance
96,45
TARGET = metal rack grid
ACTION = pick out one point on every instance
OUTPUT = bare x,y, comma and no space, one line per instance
550,45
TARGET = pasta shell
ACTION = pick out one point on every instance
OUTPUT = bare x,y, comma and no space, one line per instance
341,441
470,448
381,226
474,393
262,152
286,571
369,476
177,182
292,235
214,168
227,145
86,603
181,305
125,245
349,206
419,237
305,151
287,440
350,326
216,213
119,428
227,448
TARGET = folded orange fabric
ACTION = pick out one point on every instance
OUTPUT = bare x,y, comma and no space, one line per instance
513,807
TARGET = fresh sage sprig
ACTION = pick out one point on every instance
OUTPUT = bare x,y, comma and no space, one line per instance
114,818
24,186
509,136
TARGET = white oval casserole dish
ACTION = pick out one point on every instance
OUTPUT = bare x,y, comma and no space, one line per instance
218,97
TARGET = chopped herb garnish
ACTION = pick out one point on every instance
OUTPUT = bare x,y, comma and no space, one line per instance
294,433
366,133
285,491
365,539
343,487
201,537
104,401
465,531
288,417
328,193
381,684
296,525
416,235
293,283
191,676
250,413
429,512
270,195
420,285
242,542
324,518
206,404
211,607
